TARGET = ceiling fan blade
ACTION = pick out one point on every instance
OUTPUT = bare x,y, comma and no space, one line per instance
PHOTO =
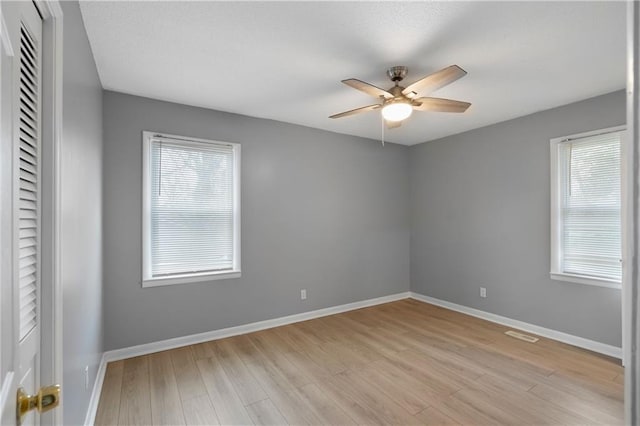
393,124
367,88
356,111
435,81
440,105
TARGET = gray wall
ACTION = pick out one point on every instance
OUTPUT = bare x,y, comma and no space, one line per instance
321,211
81,157
480,218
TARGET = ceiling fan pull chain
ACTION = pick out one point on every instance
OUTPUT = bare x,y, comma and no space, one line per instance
382,137
160,173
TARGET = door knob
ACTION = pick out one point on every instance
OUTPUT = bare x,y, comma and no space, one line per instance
47,398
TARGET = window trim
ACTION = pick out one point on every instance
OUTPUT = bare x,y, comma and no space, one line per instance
556,220
235,272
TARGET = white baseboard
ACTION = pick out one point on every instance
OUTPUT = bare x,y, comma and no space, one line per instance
90,418
581,342
163,345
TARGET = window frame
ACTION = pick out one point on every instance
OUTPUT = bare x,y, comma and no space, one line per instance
147,279
556,272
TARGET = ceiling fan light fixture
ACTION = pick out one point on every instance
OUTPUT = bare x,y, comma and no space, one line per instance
396,111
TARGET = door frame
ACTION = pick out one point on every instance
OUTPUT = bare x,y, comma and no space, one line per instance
631,295
51,324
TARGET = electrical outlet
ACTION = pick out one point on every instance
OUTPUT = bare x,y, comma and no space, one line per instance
303,294
86,377
483,292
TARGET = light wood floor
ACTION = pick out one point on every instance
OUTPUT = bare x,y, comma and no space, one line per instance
404,362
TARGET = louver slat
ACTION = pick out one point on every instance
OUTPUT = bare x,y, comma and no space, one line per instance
28,198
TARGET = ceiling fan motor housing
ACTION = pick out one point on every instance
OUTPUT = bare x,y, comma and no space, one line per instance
397,73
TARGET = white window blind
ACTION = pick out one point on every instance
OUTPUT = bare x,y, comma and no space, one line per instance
192,215
590,206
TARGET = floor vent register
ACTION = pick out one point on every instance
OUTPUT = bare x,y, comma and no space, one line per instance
521,336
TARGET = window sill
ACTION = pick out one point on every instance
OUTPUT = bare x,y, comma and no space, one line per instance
581,279
191,278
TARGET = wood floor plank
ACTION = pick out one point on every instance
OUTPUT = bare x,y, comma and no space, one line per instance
590,389
135,402
316,331
288,400
619,379
405,362
371,317
357,389
533,409
504,412
463,413
248,389
109,406
325,407
396,391
265,413
262,369
499,364
198,411
447,358
309,366
202,351
431,416
369,339
360,412
188,377
279,360
226,402
281,392
430,373
425,390
272,336
330,361
166,406
291,340
594,413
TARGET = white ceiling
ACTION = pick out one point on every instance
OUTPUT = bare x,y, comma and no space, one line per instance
284,60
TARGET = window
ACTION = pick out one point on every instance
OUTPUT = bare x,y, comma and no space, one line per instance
586,208
191,210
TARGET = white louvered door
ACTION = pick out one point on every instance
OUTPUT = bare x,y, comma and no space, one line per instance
27,140
24,27
28,340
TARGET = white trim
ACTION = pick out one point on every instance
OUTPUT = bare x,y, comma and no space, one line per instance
147,279
582,279
581,342
556,203
631,298
6,391
4,37
190,278
237,208
626,205
92,410
604,131
53,24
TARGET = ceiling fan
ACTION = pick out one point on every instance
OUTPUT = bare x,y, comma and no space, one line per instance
398,102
